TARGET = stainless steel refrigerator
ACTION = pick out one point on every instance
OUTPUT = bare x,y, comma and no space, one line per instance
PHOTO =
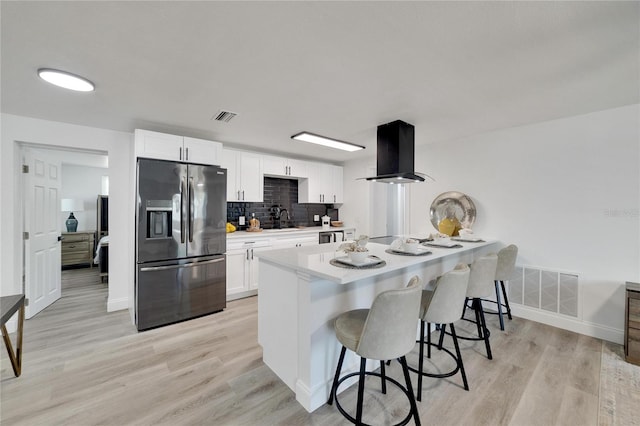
181,241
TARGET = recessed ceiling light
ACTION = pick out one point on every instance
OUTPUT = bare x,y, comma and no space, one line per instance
66,80
331,143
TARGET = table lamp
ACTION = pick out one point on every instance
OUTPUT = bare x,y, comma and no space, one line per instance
70,205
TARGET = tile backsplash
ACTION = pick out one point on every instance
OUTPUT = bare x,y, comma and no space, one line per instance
281,193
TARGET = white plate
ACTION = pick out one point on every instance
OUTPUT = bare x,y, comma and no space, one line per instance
468,239
368,261
442,244
418,250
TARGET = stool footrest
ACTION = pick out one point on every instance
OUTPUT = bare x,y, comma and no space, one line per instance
386,378
439,375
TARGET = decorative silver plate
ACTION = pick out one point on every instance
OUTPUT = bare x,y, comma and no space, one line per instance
464,208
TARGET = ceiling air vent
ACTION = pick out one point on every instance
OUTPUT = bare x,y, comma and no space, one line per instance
224,116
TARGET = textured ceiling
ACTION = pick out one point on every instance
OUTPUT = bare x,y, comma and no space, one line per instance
339,69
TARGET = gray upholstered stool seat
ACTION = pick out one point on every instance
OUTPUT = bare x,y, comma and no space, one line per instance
348,327
504,271
443,306
386,331
481,285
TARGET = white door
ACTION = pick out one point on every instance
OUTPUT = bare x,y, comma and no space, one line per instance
42,223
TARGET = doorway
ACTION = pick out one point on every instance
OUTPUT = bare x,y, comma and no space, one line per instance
79,181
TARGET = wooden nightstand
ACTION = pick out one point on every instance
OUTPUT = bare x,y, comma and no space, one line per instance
77,248
632,323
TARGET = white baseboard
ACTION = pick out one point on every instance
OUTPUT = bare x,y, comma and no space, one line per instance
117,304
582,327
241,295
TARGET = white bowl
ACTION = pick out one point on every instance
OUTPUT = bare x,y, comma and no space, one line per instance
358,256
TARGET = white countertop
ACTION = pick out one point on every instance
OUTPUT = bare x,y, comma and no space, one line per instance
314,260
285,231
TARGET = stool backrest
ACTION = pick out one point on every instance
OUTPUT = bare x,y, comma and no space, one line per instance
506,262
448,297
482,276
390,329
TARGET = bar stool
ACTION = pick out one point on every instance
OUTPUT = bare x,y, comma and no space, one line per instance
481,285
504,271
386,331
443,306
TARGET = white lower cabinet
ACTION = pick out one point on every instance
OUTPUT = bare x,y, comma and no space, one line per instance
298,241
243,263
242,267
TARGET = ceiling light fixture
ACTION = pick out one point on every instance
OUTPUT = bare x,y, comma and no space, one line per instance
66,80
322,140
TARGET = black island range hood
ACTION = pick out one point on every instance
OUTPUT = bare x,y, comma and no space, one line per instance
396,154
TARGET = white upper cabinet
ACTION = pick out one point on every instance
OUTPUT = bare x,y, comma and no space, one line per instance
202,151
163,146
245,178
338,184
284,167
324,184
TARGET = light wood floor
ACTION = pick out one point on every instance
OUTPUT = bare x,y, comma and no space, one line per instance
83,366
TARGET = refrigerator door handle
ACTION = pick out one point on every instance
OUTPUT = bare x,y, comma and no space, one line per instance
182,194
190,206
186,265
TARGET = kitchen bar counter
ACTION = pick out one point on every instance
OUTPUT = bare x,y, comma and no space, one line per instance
301,294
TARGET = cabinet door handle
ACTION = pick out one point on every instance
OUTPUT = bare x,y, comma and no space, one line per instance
251,254
180,153
334,198
247,254
186,156
243,195
238,195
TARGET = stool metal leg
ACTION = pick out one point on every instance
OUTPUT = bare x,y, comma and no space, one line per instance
421,355
485,330
412,400
382,377
459,355
334,387
499,304
476,309
506,299
464,309
363,362
443,328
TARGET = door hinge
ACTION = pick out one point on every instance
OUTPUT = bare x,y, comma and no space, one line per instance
25,168
25,235
26,301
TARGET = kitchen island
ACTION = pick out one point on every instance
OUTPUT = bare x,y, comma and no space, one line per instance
301,294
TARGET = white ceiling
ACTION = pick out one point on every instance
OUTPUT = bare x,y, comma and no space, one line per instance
335,68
